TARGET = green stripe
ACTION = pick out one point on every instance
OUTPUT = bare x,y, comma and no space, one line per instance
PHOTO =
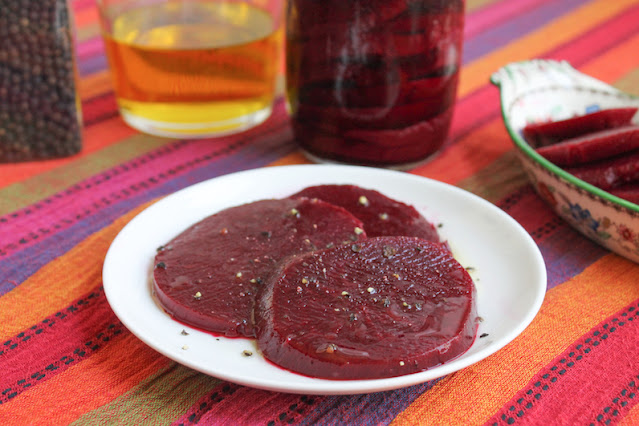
629,83
38,187
160,399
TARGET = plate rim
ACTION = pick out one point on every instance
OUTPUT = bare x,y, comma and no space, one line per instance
327,386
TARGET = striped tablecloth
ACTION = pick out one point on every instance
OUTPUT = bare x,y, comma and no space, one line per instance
65,357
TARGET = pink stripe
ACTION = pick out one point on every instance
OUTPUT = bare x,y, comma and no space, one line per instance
82,4
489,17
90,47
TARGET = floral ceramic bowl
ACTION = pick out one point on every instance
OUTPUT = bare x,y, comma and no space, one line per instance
543,90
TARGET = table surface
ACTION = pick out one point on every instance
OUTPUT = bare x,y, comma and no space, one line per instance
65,357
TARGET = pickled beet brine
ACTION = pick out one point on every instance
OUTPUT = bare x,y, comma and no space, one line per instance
373,82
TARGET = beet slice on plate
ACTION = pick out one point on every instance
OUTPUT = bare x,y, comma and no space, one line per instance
592,147
542,134
208,275
382,307
609,173
381,215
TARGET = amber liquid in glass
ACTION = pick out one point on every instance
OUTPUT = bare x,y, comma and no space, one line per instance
194,68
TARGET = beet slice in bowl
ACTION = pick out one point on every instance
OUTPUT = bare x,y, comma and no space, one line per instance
592,146
548,133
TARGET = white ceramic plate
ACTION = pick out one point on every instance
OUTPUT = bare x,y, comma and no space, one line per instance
508,270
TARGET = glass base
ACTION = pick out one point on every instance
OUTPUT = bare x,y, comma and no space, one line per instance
196,130
400,167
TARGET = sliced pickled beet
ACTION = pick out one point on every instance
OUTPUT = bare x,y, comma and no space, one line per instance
435,85
378,150
381,215
629,192
373,118
609,173
542,134
383,307
592,147
208,275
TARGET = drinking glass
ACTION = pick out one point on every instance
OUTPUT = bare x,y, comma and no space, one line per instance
193,68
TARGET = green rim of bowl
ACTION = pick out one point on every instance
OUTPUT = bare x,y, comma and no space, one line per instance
530,152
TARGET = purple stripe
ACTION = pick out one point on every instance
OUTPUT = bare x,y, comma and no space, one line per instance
92,65
355,409
515,28
567,253
486,17
18,267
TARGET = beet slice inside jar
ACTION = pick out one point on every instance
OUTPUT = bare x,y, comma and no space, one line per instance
208,276
382,307
381,215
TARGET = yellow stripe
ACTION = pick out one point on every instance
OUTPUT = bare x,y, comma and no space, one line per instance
472,5
569,311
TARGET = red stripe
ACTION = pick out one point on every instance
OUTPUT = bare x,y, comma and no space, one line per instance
590,376
57,343
99,108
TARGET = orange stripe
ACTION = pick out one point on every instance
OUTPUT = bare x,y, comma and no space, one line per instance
95,138
569,311
86,16
535,44
95,85
96,381
471,154
632,418
60,282
294,158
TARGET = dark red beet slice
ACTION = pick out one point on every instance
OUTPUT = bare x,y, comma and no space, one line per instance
382,307
381,215
609,173
435,86
542,134
592,147
376,118
208,276
629,192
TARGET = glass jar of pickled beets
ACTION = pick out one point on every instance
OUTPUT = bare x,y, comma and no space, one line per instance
372,82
